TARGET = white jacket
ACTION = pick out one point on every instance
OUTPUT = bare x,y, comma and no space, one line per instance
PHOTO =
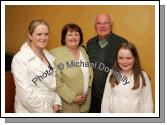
35,82
122,99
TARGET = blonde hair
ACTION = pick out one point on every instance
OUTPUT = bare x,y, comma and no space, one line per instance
35,23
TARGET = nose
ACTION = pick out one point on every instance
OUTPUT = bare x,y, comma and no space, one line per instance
102,24
43,36
124,61
74,36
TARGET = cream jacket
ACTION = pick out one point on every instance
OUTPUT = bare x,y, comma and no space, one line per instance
70,80
35,82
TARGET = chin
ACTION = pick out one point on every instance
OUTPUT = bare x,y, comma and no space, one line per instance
102,35
42,47
124,69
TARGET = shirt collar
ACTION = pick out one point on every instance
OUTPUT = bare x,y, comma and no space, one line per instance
103,43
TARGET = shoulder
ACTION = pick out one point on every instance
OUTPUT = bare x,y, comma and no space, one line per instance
146,76
25,53
48,55
91,41
145,73
57,51
118,38
20,56
83,48
19,61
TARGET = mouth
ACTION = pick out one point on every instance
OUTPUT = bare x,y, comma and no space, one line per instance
73,41
102,30
125,66
43,42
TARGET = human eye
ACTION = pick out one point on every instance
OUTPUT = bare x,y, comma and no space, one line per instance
120,58
129,58
69,34
106,23
77,34
98,23
39,34
46,34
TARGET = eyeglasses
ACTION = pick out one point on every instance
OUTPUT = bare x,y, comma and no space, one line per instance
102,23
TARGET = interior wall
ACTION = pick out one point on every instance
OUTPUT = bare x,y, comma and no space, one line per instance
136,23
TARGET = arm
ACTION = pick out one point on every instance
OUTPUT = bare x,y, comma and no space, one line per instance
57,99
147,96
57,106
105,106
24,89
63,90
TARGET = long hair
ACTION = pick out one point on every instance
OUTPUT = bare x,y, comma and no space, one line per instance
137,70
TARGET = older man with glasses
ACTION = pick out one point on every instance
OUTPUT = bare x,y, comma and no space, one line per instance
102,52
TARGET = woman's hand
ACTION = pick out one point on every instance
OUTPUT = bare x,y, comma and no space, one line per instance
80,99
56,108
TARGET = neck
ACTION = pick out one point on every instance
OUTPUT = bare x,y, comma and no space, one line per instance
101,38
127,73
36,50
73,50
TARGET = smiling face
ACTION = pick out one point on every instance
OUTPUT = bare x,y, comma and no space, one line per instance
125,60
103,25
39,37
72,39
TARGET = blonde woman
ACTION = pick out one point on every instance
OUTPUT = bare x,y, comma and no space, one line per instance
34,73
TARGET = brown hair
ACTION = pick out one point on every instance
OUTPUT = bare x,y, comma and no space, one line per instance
71,27
136,68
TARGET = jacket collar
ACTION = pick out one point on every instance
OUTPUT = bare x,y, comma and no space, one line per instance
30,54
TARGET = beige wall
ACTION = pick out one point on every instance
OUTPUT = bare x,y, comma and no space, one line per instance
135,23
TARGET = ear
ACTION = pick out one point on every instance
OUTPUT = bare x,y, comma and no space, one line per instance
95,26
30,37
112,25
